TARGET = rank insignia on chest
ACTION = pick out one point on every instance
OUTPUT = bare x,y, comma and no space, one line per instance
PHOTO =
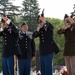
20,37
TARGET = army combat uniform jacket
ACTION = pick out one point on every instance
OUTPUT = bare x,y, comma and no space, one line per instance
27,45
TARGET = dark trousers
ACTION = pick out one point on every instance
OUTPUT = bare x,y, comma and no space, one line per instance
24,66
46,64
8,65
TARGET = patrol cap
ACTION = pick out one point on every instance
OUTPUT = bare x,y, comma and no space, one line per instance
24,23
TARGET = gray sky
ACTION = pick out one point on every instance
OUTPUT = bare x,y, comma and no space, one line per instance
54,8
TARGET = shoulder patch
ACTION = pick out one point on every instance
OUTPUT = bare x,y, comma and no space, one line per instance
30,32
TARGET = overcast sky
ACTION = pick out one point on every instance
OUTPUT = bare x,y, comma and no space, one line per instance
54,8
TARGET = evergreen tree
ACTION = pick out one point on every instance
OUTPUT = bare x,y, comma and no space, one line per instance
7,7
30,12
73,13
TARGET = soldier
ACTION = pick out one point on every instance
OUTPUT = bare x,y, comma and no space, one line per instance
47,45
10,34
27,47
69,46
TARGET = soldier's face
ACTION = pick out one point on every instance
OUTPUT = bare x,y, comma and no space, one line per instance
4,18
24,28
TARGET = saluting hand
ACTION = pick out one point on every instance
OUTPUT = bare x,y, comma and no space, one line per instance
67,26
39,26
71,20
4,25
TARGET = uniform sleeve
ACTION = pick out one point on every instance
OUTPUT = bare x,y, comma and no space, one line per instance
13,28
35,34
60,31
33,47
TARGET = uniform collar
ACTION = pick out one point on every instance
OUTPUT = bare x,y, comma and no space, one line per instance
25,32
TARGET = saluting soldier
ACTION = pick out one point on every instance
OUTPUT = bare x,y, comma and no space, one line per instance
27,47
47,45
10,34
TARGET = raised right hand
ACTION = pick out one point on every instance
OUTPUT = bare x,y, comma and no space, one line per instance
39,26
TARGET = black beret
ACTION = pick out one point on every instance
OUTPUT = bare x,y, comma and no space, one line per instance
24,23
